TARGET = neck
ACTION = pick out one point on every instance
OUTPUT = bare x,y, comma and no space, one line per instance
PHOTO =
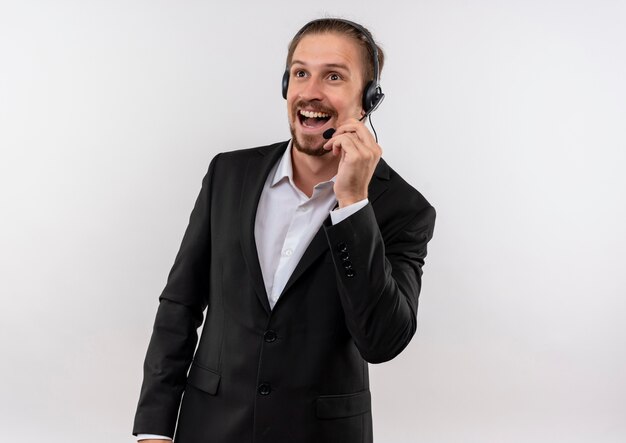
309,170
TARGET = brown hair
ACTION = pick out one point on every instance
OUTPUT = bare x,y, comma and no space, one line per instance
349,29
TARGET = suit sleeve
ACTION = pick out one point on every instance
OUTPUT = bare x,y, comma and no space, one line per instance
179,314
379,281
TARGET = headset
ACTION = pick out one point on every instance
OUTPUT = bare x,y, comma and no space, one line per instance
373,93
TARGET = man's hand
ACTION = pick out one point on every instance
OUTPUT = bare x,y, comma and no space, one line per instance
359,156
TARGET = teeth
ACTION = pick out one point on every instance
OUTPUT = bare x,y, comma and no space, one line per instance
311,114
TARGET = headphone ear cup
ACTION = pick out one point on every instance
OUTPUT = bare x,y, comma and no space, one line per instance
285,83
372,96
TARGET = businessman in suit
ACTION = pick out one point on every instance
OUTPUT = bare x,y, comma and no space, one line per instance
307,256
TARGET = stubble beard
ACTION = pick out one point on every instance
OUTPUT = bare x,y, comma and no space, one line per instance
307,144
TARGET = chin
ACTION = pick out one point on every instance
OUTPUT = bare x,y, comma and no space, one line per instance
309,144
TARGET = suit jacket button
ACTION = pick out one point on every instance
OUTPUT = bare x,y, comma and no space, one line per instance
265,389
347,265
342,247
269,336
344,256
350,273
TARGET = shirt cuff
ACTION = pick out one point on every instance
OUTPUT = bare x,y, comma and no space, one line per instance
152,436
339,215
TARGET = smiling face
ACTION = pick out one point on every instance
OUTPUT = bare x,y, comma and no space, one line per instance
325,88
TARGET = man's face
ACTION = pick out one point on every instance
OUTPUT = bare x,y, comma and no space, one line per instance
325,88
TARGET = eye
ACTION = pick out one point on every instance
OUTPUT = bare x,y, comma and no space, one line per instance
334,76
299,73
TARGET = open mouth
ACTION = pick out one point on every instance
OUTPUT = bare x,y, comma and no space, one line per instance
312,119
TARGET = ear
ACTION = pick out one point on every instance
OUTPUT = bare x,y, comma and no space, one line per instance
362,112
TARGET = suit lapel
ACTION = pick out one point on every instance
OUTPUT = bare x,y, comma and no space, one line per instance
317,247
256,174
319,244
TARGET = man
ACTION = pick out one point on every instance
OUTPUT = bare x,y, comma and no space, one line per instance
307,256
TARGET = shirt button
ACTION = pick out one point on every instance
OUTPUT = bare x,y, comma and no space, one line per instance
288,252
269,336
264,389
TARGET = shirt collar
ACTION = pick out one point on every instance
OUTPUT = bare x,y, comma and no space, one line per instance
284,168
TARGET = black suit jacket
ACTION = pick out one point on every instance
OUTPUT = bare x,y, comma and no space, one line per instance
297,373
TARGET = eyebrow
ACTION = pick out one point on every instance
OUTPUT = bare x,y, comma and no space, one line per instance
327,65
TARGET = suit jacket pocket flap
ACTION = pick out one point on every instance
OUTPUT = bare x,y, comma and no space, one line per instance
203,379
345,405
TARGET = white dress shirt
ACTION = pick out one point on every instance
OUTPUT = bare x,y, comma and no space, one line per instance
286,222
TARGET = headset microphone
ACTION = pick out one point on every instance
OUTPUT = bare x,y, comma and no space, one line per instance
327,134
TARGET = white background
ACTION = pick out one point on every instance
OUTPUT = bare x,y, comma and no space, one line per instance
508,115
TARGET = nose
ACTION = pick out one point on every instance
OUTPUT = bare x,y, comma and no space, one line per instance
312,89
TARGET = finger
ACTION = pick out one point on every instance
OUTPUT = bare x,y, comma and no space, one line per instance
345,144
363,138
338,136
356,126
336,140
352,146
